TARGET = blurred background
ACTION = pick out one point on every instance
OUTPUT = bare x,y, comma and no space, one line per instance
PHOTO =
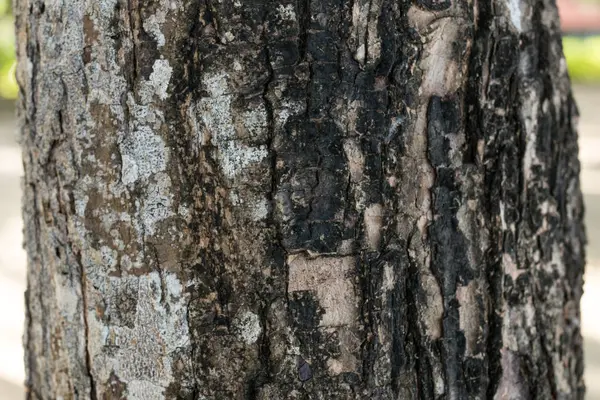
580,21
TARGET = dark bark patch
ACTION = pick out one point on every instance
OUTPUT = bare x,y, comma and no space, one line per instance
115,388
305,310
304,370
434,5
443,119
125,305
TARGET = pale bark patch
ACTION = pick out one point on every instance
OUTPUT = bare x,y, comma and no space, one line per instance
373,219
347,361
433,309
356,159
330,280
364,37
442,73
469,313
512,386
514,9
529,113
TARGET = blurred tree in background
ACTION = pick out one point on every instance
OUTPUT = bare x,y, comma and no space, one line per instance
8,84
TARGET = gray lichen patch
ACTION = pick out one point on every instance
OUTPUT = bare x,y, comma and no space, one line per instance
153,26
219,129
140,351
157,203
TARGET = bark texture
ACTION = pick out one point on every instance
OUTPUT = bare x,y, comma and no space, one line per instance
332,199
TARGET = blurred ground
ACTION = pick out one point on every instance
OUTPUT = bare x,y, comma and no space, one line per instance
12,257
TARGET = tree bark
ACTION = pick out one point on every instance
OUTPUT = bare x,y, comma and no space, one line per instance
366,199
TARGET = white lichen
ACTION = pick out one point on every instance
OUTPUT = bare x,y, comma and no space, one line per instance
247,327
389,277
260,209
160,77
81,201
108,256
255,121
183,211
229,36
216,84
144,390
143,154
174,287
286,13
287,110
235,198
144,114
152,25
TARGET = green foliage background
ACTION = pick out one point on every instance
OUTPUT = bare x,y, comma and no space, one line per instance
583,58
582,53
8,84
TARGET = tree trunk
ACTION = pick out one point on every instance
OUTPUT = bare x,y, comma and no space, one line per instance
366,199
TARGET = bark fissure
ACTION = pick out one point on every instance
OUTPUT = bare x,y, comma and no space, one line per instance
88,361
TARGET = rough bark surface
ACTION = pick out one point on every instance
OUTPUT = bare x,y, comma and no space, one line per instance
333,199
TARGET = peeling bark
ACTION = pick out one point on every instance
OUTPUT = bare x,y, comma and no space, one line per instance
299,200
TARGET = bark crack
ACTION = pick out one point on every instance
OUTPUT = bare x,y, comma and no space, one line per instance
88,359
134,24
